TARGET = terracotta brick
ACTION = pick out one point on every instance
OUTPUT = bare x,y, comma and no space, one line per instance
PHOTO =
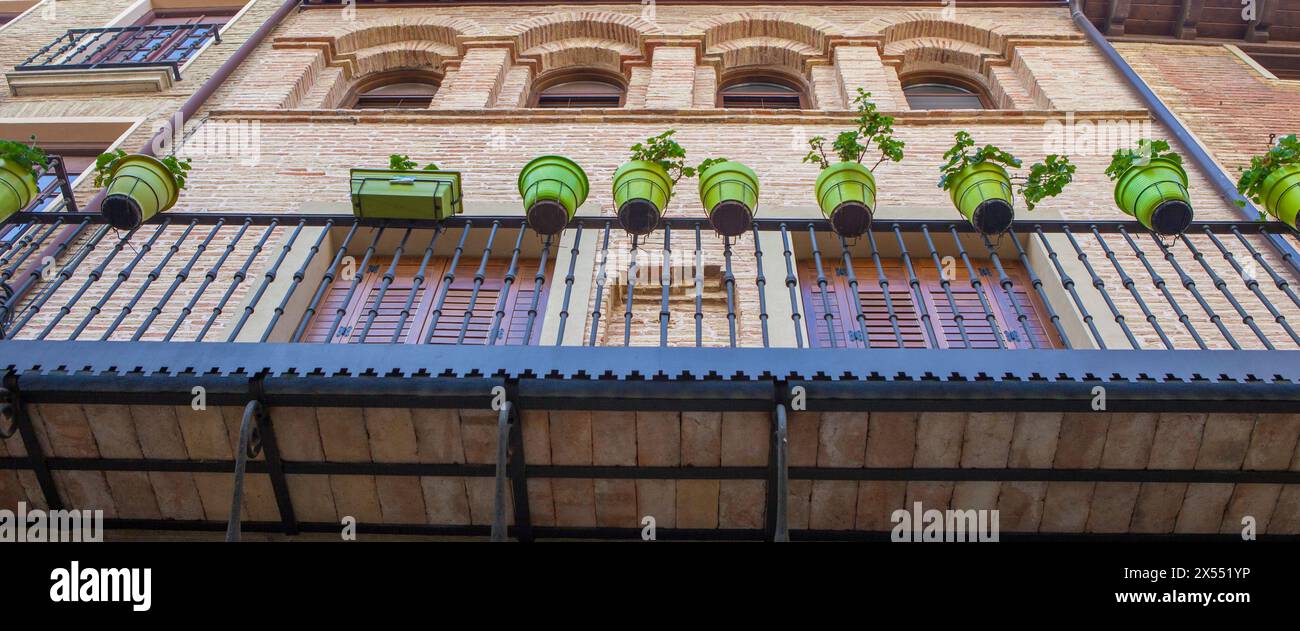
741,503
1065,508
891,439
1128,441
616,503
701,439
1082,439
697,503
392,435
657,499
658,439
438,439
571,438
1021,506
1033,442
1224,441
1157,507
575,502
1253,500
939,439
1177,441
833,505
478,435
1203,507
987,440
1273,443
613,439
746,438
1112,506
842,439
877,501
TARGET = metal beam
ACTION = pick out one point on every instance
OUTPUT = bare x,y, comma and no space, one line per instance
778,482
247,448
274,466
519,477
499,494
35,459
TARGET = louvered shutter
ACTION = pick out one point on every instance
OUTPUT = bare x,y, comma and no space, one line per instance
388,312
514,321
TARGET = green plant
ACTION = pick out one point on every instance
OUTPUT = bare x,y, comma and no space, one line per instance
670,156
1251,183
398,162
106,162
853,145
27,156
1145,152
1046,179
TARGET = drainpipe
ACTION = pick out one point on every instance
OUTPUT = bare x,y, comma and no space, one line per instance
187,110
1226,187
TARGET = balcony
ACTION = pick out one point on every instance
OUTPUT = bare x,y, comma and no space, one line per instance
115,59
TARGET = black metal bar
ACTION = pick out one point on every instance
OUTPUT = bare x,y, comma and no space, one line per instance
1068,283
1222,286
35,459
63,275
778,489
357,278
761,282
1160,284
1253,285
148,280
1008,288
1279,280
699,287
568,283
1100,286
918,294
208,278
539,281
502,474
729,282
447,279
828,310
416,284
1128,283
978,285
138,46
1190,285
633,268
181,277
26,245
519,476
479,276
275,467
792,284
883,279
241,463
122,276
600,288
237,280
298,277
384,285
326,280
665,274
855,297
1037,283
508,282
946,284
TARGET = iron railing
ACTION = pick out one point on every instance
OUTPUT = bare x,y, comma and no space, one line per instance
167,45
261,277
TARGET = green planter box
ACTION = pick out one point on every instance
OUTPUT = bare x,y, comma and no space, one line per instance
386,194
641,193
1282,194
846,193
1156,195
17,188
729,191
982,194
553,187
139,187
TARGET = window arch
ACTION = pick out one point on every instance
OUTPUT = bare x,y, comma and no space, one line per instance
587,88
403,89
762,91
944,92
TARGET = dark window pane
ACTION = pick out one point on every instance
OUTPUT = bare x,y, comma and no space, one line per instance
404,95
941,96
583,93
761,94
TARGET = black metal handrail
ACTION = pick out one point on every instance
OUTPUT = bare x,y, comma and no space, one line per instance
1104,285
169,45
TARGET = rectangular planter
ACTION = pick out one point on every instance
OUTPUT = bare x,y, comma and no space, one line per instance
385,194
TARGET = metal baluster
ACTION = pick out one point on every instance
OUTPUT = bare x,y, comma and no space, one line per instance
664,284
181,277
208,279
148,280
122,276
447,279
267,279
240,275
539,281
600,287
1100,286
416,285
49,291
25,248
1128,283
1280,281
1068,283
633,268
479,277
387,282
1253,285
978,285
298,277
761,283
828,311
699,287
792,284
884,291
357,278
1190,285
1222,285
325,282
509,281
568,282
957,316
91,279
1160,284
1009,288
729,281
1037,284
918,295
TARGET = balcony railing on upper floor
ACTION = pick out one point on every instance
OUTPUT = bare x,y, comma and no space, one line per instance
169,45
789,283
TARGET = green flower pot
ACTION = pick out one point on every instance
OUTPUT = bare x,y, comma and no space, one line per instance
17,188
421,195
1156,195
846,193
139,187
553,187
641,193
982,194
1282,194
729,191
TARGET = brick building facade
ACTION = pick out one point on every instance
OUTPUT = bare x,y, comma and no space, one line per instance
240,289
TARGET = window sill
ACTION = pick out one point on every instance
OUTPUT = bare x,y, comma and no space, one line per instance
97,81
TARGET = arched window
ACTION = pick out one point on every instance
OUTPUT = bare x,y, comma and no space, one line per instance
580,90
762,92
944,93
405,90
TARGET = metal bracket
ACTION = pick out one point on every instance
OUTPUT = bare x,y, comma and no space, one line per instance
35,455
778,480
248,448
502,472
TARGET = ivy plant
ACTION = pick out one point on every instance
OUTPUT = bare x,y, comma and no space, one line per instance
1146,150
106,162
1045,179
27,156
1251,183
855,144
669,155
398,162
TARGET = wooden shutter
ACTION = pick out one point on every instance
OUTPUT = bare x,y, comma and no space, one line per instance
417,324
876,313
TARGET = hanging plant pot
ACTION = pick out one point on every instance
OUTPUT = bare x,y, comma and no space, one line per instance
1282,194
139,187
729,191
553,187
17,188
392,194
982,194
641,193
846,193
1156,195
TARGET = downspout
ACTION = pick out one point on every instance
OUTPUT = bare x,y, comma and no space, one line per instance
1226,187
186,111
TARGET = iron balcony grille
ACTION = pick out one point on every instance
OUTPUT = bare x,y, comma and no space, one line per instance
169,45
212,277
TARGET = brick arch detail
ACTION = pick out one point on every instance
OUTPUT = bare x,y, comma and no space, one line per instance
367,34
601,25
813,32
